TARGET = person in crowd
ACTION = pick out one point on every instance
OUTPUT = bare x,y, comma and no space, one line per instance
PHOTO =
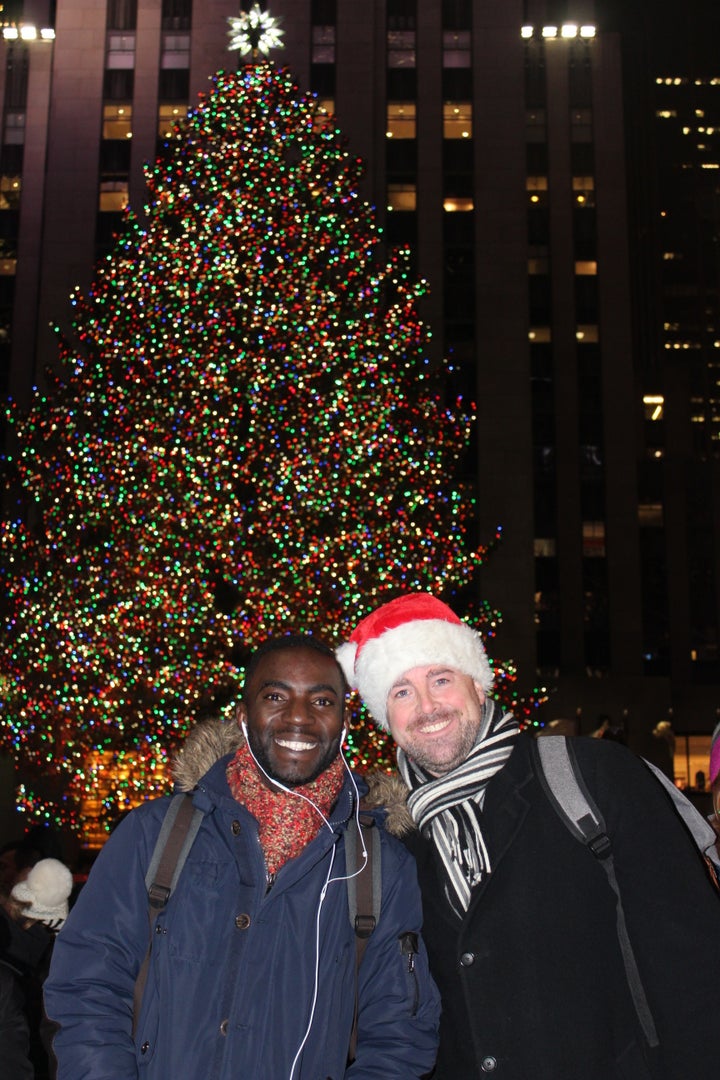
31,917
521,923
252,969
714,781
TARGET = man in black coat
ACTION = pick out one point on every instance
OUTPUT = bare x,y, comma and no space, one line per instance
520,920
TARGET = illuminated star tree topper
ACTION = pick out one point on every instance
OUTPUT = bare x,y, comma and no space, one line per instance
254,32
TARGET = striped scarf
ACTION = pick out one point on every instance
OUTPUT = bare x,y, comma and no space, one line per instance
451,806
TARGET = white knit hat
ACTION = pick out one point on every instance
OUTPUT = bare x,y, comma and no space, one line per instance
405,633
46,890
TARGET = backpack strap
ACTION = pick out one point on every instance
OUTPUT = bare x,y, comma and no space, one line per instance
176,836
560,776
364,887
699,828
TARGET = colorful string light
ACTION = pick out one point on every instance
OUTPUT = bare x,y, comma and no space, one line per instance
243,440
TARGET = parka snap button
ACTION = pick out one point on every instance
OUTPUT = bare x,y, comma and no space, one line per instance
235,827
144,1048
489,1064
467,959
242,921
224,1027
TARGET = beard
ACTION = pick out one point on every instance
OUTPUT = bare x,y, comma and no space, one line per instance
440,756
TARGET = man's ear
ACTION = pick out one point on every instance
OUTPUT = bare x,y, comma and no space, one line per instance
479,691
241,714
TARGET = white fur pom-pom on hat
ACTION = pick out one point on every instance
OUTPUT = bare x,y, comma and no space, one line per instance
46,891
405,633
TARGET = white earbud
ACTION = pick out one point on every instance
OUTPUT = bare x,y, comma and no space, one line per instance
343,733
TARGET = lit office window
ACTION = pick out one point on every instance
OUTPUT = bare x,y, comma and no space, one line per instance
113,195
586,267
402,197
539,335
401,49
120,51
457,120
587,334
117,122
456,204
323,45
584,190
175,51
168,115
537,189
653,405
401,122
457,51
325,107
10,189
593,539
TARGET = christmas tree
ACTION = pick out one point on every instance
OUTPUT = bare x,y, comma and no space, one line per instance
244,437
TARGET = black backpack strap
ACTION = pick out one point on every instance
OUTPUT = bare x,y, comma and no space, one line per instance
364,886
176,836
560,776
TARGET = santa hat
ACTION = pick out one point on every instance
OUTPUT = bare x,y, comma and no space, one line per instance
715,755
45,892
408,632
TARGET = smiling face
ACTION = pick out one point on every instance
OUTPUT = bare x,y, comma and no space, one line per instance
294,708
434,713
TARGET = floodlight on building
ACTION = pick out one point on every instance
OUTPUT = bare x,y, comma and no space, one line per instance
47,33
549,31
526,31
569,30
10,33
28,33
587,31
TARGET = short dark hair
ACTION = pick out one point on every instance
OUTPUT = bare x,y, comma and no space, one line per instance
293,641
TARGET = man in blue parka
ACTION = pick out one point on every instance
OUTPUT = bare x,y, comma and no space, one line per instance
252,971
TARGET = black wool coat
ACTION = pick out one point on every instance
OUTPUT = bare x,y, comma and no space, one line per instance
532,978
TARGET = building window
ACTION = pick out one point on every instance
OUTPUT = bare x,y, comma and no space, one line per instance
10,189
653,406
175,51
458,204
581,125
457,52
117,122
587,334
323,45
176,14
113,196
690,761
168,116
537,189
324,109
122,14
120,51
535,125
585,267
583,190
401,49
457,120
593,539
14,128
402,197
401,122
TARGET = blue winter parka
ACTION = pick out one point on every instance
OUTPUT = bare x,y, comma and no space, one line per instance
245,982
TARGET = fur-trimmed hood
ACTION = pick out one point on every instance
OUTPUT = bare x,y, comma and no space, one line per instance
389,791
209,741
